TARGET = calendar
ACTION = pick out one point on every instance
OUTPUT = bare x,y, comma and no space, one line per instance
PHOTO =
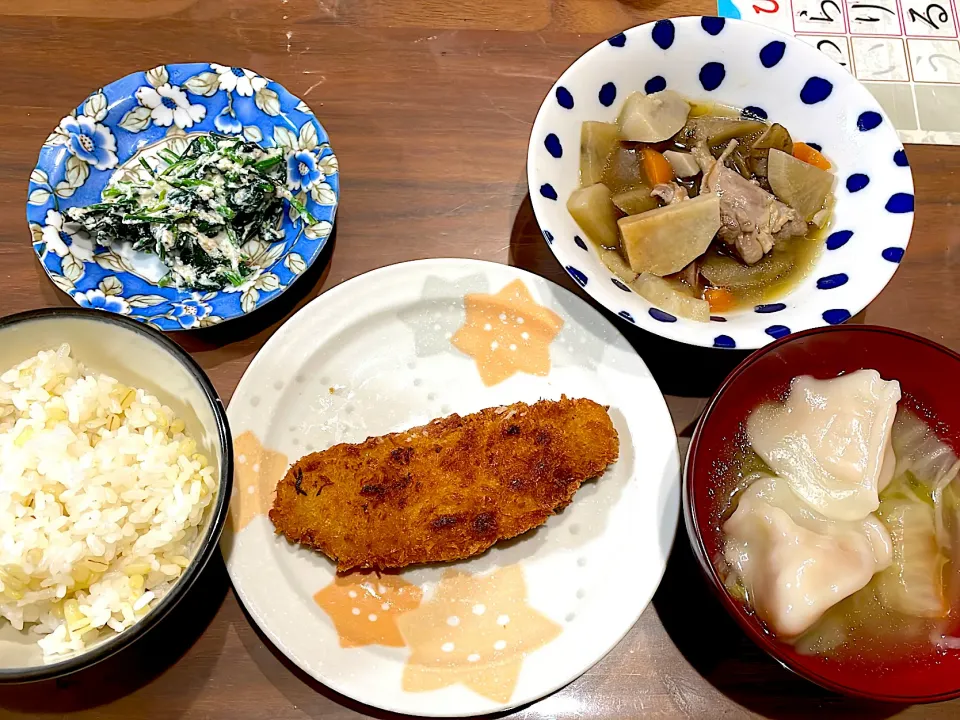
906,52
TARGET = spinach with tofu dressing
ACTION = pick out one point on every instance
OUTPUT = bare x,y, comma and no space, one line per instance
195,211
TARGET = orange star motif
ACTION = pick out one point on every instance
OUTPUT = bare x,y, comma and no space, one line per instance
256,473
507,332
475,630
364,608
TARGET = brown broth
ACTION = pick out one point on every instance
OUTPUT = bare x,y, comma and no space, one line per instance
805,251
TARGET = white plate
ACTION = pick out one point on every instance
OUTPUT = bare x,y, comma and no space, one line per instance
376,355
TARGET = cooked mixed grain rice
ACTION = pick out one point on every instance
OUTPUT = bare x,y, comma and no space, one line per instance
102,494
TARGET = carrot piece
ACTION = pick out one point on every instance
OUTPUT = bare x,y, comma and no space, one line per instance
656,167
720,299
802,151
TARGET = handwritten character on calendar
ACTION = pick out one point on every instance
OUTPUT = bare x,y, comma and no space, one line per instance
880,59
819,16
929,19
772,13
934,60
834,47
874,17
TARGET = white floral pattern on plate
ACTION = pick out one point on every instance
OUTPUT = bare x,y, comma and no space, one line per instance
168,105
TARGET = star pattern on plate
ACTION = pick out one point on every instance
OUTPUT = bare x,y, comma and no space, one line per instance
507,332
439,313
475,630
257,470
364,608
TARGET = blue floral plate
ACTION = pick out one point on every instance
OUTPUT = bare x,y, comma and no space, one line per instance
163,107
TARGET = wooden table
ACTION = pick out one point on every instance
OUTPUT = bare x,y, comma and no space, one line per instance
429,105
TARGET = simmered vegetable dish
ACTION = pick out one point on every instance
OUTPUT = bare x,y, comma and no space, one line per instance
700,208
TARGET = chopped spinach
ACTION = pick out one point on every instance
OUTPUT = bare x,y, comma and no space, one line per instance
197,210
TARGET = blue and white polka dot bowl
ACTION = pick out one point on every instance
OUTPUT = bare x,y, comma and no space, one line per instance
166,106
746,66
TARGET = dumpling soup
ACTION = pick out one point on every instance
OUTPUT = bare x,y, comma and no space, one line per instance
843,527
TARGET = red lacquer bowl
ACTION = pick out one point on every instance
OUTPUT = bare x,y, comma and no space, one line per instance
929,376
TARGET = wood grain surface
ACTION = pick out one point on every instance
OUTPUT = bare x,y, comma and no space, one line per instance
429,105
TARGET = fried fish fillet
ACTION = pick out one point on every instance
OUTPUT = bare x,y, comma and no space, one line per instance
447,490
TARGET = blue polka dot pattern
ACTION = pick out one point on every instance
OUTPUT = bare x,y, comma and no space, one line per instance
900,203
713,25
752,112
838,239
829,282
711,75
664,33
552,144
769,308
548,236
861,250
835,317
893,254
608,93
578,276
658,314
868,120
815,89
857,182
772,53
655,84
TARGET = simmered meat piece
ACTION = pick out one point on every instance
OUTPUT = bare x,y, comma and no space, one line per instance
752,219
669,193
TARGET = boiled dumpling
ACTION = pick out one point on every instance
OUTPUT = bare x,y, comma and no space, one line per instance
793,562
829,440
